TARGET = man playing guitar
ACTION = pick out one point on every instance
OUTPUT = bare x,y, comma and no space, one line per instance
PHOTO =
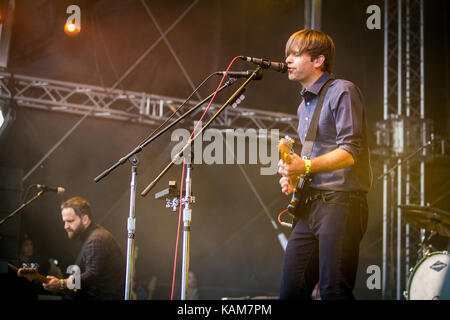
100,259
324,244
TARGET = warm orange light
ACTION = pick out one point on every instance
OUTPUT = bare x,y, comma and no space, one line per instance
71,29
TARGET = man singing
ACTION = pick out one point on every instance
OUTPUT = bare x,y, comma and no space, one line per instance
324,244
101,259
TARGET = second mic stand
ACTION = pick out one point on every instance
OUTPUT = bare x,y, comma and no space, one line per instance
131,157
187,212
23,205
131,226
390,172
407,158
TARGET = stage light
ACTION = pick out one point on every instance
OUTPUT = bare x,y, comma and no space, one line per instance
71,29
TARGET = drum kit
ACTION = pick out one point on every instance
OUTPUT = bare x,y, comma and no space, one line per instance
428,276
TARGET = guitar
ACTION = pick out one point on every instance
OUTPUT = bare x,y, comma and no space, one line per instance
33,274
29,273
300,192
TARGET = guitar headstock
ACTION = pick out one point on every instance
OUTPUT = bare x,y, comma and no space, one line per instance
28,273
31,274
285,146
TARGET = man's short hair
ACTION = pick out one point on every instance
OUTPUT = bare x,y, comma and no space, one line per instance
314,43
79,205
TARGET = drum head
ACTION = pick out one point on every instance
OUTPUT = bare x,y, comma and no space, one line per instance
427,278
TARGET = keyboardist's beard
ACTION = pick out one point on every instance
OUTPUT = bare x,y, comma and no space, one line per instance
76,233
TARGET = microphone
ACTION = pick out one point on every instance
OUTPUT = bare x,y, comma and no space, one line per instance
241,74
267,64
58,190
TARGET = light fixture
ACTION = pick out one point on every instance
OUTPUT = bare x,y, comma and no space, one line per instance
71,29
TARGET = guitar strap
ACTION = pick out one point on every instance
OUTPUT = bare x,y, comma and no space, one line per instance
312,130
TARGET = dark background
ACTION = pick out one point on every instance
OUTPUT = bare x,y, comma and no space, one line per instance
234,248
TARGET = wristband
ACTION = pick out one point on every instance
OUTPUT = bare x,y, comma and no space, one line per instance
307,166
61,283
72,279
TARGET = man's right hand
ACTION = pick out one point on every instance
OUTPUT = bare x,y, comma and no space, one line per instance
52,285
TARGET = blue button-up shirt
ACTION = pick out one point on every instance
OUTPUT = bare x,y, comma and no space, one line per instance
342,124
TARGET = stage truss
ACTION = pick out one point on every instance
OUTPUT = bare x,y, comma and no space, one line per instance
137,107
405,141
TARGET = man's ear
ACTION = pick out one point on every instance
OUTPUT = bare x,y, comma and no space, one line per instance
85,220
319,61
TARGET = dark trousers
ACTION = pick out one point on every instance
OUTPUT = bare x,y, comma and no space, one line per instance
324,247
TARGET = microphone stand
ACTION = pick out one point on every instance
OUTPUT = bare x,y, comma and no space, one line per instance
131,226
406,159
156,136
390,172
23,205
131,157
187,212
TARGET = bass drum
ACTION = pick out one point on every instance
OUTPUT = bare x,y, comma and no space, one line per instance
428,276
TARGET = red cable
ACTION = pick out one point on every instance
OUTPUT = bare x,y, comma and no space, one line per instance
317,289
182,178
279,215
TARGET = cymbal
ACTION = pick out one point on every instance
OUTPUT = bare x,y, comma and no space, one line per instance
428,218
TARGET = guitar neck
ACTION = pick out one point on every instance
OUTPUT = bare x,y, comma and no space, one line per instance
29,273
40,278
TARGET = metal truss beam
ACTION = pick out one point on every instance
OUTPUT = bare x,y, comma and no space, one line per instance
137,107
403,131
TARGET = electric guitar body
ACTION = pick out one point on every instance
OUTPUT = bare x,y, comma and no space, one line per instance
300,192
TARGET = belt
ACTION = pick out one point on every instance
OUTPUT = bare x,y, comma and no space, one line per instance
318,194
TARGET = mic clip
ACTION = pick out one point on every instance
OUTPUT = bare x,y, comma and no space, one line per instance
170,195
233,75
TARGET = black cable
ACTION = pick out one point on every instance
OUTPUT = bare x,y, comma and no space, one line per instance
26,192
